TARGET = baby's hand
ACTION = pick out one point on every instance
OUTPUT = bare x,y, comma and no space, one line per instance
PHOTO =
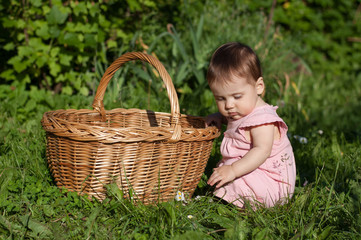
214,119
222,175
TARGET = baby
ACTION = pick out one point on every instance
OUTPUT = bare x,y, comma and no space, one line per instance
258,164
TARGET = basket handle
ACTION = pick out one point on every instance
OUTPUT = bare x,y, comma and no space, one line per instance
172,94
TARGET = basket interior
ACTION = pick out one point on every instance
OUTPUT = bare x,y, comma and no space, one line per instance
123,118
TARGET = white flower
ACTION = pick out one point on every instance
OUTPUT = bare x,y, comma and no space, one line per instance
302,140
190,216
320,132
197,198
179,196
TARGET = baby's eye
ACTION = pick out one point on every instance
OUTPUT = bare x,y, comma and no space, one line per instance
219,98
237,96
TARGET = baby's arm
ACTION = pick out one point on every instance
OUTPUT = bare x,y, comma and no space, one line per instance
262,140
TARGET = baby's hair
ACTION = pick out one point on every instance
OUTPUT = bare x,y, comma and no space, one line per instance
234,59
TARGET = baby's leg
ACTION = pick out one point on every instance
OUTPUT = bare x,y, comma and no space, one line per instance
259,187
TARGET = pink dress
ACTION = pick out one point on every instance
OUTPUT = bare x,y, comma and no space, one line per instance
272,182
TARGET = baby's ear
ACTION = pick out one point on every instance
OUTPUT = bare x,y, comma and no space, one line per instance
260,87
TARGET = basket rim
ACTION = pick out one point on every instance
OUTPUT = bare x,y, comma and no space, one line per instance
53,123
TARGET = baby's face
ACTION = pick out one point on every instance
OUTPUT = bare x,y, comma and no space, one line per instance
237,98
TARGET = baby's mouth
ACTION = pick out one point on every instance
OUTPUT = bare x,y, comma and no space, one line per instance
232,114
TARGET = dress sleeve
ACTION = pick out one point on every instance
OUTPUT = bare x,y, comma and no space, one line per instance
263,116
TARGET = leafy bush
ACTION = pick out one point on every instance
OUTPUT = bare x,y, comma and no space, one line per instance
55,44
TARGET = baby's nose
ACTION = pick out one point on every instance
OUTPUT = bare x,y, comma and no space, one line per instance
229,104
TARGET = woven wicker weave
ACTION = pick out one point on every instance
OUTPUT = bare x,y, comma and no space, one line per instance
152,154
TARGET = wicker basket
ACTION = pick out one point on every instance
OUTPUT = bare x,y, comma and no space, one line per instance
151,154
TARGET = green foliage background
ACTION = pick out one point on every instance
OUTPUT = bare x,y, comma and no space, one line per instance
64,47
53,54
